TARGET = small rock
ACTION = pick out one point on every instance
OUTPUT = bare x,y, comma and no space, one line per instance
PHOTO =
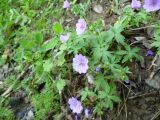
140,38
30,115
98,8
144,41
90,78
154,82
25,113
1,83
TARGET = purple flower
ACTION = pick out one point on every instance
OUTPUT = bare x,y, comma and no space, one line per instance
64,38
149,53
98,69
75,105
80,64
86,113
151,5
126,82
135,4
81,26
66,4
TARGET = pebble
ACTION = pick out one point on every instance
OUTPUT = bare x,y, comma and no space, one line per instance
25,113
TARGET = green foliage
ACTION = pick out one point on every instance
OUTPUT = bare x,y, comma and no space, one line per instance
58,29
45,102
47,65
135,19
60,85
5,112
86,93
31,29
129,53
49,45
81,8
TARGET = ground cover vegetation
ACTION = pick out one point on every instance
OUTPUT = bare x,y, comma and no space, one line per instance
64,66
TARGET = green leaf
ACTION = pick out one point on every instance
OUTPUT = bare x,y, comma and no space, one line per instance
86,92
57,27
115,98
49,45
102,94
61,58
27,44
60,84
110,104
119,38
107,88
39,37
63,47
107,36
99,82
126,58
156,44
120,52
84,95
48,65
97,54
131,53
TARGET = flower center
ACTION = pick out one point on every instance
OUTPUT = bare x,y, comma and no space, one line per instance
82,26
81,64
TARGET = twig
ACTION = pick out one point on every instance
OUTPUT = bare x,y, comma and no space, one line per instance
125,100
142,27
141,95
151,76
19,77
153,62
156,115
138,41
